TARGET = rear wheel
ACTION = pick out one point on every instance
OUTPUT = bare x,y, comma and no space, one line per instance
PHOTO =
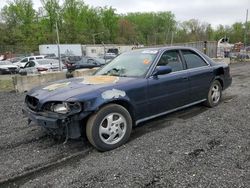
109,128
214,94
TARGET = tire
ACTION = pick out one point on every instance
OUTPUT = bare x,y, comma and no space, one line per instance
105,132
214,94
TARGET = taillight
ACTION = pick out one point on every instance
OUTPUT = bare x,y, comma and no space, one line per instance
41,69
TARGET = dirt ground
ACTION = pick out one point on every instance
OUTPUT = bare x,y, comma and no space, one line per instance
195,147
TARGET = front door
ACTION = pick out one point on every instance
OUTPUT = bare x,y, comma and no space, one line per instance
168,91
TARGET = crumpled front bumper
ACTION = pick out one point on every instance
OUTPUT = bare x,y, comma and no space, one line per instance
60,124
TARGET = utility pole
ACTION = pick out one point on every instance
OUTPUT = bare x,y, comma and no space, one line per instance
172,38
245,33
94,34
58,47
104,51
58,42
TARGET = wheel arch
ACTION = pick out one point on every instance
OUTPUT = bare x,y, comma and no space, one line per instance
219,75
124,103
220,79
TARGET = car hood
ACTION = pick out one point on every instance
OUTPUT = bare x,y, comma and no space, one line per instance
7,66
71,88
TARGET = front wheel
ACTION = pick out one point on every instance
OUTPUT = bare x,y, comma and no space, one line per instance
214,94
109,128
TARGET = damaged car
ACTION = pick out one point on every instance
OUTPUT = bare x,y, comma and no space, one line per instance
136,86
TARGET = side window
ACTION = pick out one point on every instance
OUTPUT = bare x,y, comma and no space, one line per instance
24,60
32,64
32,58
193,60
39,57
172,59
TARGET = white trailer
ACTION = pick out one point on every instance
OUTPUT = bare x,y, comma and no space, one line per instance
99,50
65,49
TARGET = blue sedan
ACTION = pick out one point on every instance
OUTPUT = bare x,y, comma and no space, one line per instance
136,86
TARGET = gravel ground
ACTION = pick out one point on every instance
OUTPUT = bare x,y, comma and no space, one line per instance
195,147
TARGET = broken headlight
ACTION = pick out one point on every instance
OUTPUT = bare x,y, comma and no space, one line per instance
64,107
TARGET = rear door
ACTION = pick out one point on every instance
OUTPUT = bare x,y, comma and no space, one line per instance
200,75
169,91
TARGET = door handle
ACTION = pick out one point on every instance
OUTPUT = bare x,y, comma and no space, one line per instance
185,78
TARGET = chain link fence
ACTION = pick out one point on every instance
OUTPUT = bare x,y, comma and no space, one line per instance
207,47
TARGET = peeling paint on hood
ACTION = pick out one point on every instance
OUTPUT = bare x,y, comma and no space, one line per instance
100,79
55,86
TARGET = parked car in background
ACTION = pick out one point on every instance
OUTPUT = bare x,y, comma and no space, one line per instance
40,66
6,67
71,59
25,60
136,86
15,59
86,62
109,56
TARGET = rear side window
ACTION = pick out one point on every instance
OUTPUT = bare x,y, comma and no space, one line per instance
172,59
193,60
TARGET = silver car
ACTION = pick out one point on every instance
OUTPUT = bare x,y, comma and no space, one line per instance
40,66
6,67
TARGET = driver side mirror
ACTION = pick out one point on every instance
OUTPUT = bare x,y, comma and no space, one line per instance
160,70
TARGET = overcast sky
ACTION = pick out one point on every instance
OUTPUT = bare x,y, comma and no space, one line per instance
215,12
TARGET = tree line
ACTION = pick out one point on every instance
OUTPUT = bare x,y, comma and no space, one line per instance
22,25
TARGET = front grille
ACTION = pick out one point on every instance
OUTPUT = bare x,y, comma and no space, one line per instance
12,69
32,102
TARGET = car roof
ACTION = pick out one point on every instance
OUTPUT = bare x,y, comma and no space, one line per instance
33,56
168,48
160,49
46,60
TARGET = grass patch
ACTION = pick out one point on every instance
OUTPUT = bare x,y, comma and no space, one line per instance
6,85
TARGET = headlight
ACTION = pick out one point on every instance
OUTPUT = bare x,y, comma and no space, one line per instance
60,108
63,107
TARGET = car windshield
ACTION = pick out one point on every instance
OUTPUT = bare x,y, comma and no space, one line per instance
130,64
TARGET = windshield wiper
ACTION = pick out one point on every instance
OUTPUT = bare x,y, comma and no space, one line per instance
115,72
